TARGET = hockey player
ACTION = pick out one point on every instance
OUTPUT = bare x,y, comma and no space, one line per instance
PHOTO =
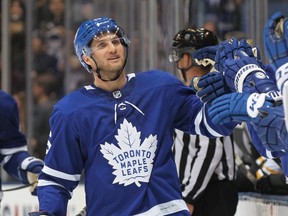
17,162
119,131
205,166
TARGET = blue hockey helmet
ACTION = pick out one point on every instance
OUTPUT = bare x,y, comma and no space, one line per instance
91,29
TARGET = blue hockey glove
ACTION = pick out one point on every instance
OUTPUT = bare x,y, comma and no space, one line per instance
225,51
206,55
211,86
276,40
40,213
271,128
229,49
244,74
238,107
29,164
28,172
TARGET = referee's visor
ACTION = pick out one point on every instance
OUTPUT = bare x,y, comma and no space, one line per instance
175,55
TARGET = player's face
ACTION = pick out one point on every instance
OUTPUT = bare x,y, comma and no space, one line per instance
108,53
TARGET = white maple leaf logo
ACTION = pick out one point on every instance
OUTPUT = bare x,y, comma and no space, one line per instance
133,161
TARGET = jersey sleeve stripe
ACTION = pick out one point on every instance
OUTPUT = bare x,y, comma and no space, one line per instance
62,175
8,151
46,183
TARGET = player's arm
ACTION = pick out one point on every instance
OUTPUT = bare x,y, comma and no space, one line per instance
275,36
16,160
191,114
201,123
63,166
20,165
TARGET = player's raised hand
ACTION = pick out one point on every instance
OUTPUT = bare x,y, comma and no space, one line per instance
272,122
228,50
238,107
206,55
252,52
225,51
275,37
245,74
211,86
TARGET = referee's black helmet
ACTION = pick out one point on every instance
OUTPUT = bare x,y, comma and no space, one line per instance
189,40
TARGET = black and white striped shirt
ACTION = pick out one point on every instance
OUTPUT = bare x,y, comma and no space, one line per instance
200,159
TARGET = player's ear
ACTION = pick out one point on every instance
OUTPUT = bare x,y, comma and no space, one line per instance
184,62
88,60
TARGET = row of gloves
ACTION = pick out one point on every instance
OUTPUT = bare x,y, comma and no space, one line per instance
243,89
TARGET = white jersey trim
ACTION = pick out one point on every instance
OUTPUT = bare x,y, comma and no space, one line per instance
8,151
47,183
166,208
61,175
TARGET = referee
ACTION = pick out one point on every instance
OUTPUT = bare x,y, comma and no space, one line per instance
205,165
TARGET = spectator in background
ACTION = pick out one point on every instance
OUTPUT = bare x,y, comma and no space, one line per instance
210,24
51,24
42,61
227,13
45,95
17,40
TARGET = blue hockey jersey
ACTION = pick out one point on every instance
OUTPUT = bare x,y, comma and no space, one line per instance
122,140
13,145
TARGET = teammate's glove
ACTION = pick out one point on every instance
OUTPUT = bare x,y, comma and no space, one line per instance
40,213
211,86
238,107
28,172
272,184
225,51
206,55
244,74
228,49
275,36
271,128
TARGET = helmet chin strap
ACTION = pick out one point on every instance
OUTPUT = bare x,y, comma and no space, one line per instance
184,70
117,75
